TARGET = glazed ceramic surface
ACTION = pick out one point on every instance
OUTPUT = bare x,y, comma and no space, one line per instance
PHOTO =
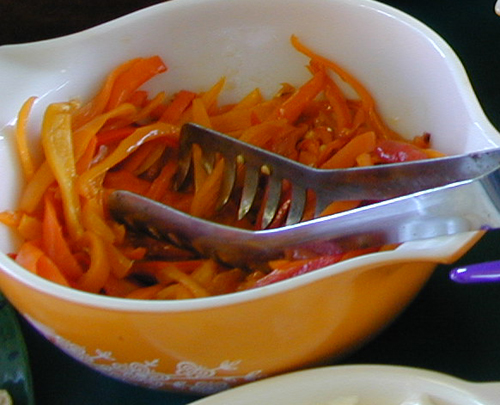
208,345
361,385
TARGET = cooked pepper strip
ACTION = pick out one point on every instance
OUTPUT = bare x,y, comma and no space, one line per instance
58,148
21,137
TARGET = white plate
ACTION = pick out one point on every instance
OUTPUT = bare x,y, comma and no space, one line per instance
370,384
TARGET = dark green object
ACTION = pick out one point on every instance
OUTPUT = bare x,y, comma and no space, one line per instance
15,376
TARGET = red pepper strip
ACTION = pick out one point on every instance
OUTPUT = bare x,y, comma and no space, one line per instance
114,135
296,268
390,151
131,79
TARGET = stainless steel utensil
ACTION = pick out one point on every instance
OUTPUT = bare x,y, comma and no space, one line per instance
363,183
444,197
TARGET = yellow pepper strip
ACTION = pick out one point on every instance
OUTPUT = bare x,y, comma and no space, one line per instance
211,97
98,272
204,201
145,112
93,220
156,153
87,181
200,113
10,218
252,99
171,272
22,143
43,176
36,187
119,263
58,148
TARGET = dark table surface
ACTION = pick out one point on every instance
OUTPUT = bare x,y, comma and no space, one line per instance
449,328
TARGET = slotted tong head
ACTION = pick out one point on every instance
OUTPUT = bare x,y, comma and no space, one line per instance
418,200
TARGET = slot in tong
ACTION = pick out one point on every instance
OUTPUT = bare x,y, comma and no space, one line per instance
421,199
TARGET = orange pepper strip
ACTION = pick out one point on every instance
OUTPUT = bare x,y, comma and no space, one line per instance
124,180
28,255
199,169
339,206
138,98
47,269
58,148
177,106
205,199
55,244
119,287
200,113
132,78
153,158
98,272
339,105
152,267
147,110
250,100
346,157
136,159
97,105
86,181
365,96
298,101
210,97
260,135
21,138
236,119
162,182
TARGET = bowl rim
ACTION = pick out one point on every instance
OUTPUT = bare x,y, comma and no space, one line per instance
421,250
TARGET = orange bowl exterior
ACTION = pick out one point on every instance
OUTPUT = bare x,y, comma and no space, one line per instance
208,350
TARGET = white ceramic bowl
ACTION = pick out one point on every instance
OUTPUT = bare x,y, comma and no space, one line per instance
361,385
210,344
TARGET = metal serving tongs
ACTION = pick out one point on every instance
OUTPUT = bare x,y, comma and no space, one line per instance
421,199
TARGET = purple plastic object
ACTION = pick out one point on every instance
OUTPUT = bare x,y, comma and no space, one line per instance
488,272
